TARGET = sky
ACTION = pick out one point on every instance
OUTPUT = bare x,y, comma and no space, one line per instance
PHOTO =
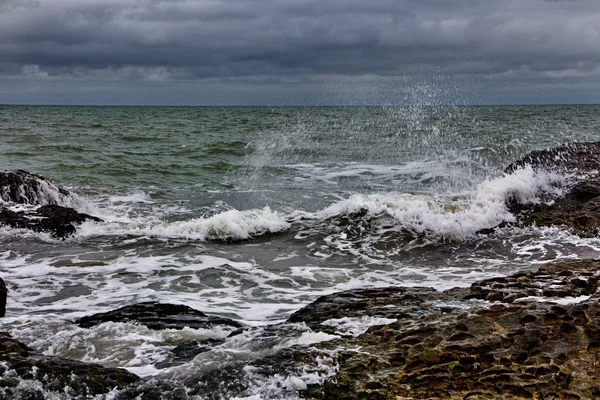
299,52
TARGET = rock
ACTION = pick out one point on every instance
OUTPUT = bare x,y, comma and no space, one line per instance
388,302
3,295
578,211
579,208
564,279
22,187
57,220
159,316
69,377
43,212
186,351
580,157
515,347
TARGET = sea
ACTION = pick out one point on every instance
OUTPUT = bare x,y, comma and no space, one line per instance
251,213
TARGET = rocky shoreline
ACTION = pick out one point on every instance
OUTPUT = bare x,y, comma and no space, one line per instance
534,334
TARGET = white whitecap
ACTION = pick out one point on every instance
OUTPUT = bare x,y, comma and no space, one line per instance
456,216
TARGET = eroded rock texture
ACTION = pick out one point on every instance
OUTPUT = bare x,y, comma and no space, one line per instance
453,346
22,187
580,157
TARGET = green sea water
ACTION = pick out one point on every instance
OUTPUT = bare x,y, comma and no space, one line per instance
253,212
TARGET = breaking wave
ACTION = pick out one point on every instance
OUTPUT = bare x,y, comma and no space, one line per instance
229,225
452,216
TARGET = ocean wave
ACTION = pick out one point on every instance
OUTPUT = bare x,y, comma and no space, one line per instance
229,225
458,216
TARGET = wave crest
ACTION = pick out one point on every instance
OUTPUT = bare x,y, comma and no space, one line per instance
458,217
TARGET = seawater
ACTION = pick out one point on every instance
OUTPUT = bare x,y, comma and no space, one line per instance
252,213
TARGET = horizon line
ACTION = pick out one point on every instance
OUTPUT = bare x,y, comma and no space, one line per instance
294,105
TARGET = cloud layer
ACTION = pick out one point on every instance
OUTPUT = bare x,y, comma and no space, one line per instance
299,51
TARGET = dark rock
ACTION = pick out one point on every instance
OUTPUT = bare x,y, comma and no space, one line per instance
20,187
186,351
389,302
3,295
73,378
57,220
580,157
568,278
159,316
579,208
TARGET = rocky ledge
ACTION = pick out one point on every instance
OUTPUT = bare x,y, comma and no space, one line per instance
530,335
40,200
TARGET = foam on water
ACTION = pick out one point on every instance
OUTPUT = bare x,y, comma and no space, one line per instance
228,225
356,326
456,216
136,197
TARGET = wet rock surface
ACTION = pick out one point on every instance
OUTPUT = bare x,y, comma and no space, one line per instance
579,208
42,198
159,316
59,221
186,351
75,379
512,337
22,187
572,157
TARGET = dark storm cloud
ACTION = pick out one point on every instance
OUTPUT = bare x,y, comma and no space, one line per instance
302,41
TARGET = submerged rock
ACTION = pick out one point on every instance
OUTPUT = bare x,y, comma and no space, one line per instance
186,351
579,208
159,316
76,379
43,212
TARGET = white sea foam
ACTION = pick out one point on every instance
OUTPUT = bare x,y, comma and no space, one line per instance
356,326
458,216
228,225
136,197
558,300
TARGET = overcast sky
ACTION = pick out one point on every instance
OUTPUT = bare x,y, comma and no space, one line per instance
285,52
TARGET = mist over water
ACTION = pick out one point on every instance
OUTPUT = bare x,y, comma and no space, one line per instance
252,213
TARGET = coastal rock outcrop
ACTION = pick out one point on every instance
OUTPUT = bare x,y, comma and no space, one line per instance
572,157
579,208
156,315
76,379
22,187
41,200
531,335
